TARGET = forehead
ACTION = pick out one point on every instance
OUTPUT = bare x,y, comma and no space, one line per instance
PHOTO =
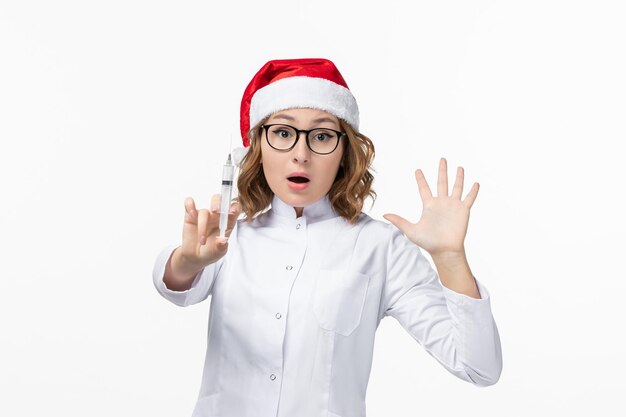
305,116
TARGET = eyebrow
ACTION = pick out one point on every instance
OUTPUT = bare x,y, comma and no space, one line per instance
318,120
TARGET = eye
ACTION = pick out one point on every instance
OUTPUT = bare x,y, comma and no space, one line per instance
281,132
323,135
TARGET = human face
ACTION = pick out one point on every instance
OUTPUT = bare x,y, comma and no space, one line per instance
280,166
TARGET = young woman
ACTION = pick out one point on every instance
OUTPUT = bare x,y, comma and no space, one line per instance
298,290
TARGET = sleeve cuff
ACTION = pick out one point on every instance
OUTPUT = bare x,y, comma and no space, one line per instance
181,298
461,299
465,309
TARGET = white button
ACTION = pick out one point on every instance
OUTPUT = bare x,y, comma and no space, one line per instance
272,377
278,315
289,267
298,226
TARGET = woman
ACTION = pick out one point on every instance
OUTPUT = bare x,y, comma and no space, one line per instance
298,291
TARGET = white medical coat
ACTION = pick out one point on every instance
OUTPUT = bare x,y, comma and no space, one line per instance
295,304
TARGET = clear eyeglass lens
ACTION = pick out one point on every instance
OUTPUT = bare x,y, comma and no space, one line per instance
321,140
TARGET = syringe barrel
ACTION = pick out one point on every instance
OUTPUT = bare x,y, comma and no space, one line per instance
228,172
226,196
225,207
227,190
227,187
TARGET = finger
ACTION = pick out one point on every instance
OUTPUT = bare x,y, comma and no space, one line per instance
457,190
190,227
203,223
471,196
235,207
190,210
215,202
422,185
400,222
442,178
222,243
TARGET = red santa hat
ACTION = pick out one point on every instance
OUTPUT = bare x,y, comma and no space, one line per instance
296,83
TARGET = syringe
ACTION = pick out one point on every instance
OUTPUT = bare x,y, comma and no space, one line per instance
228,172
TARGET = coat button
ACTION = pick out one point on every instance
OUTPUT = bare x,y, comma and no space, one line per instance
298,226
278,315
272,377
289,267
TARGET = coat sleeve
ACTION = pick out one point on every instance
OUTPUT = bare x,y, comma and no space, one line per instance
200,288
458,331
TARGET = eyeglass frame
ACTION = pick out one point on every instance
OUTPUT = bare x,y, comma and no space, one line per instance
306,137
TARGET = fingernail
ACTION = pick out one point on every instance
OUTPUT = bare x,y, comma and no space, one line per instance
202,240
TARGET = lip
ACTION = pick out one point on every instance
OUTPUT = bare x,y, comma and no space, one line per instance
299,174
298,186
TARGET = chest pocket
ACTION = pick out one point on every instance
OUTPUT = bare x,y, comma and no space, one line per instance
339,298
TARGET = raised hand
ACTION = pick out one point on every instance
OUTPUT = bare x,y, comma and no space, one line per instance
442,228
201,241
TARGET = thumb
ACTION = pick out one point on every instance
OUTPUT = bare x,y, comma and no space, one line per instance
400,222
221,243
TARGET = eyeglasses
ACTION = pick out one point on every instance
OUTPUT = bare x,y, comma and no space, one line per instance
320,140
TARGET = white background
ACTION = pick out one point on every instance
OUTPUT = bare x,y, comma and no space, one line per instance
111,113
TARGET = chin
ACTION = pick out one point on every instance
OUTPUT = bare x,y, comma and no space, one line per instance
297,200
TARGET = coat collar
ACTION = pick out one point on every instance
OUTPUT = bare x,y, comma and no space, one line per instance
317,211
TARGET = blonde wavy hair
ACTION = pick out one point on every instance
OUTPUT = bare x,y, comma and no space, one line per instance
352,185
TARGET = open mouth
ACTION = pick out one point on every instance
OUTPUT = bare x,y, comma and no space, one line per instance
298,180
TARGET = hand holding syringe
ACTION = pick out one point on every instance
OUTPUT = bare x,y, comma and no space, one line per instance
201,245
205,232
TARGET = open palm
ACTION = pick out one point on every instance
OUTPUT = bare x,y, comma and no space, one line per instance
443,225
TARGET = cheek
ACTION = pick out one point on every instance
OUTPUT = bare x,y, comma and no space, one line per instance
264,159
331,171
266,167
268,163
337,162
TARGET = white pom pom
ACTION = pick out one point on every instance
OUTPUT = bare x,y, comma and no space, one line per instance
238,154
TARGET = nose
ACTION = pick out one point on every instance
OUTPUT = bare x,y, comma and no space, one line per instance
301,152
